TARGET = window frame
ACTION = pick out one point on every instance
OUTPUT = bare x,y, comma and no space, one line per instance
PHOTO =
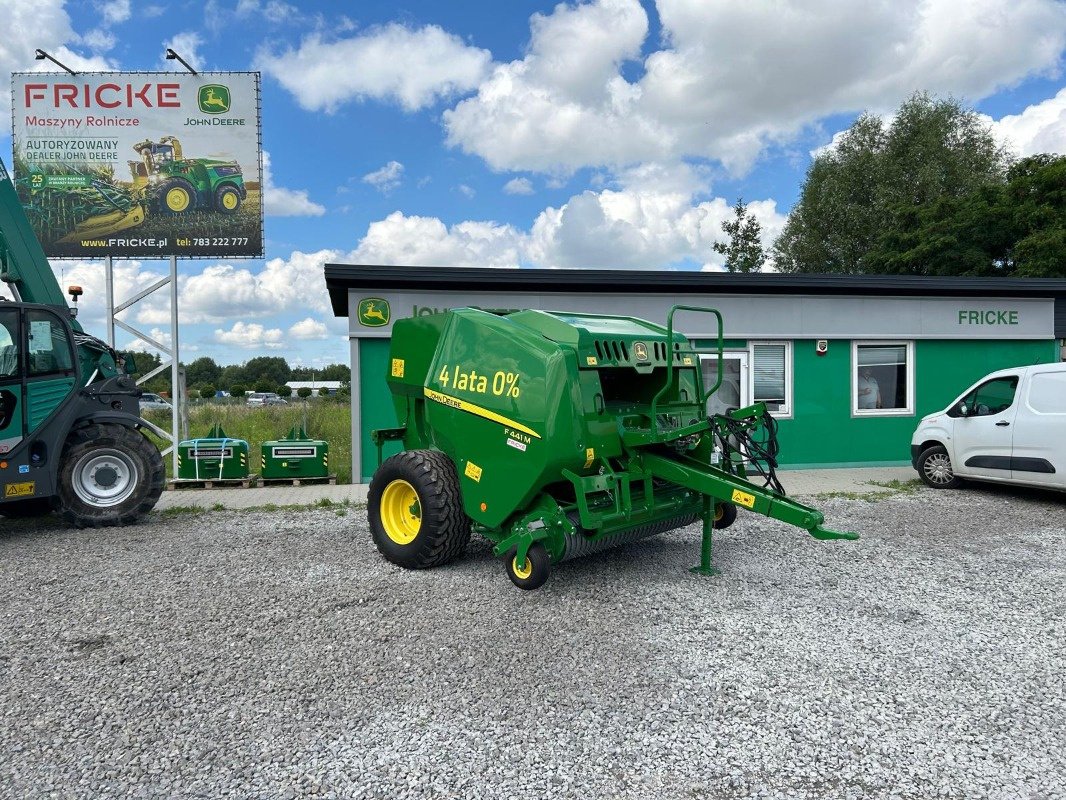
27,327
857,412
789,404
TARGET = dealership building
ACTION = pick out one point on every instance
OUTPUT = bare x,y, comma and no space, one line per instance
846,364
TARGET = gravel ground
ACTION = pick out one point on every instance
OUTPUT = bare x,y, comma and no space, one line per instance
276,655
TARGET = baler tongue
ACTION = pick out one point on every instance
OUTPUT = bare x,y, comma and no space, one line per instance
824,534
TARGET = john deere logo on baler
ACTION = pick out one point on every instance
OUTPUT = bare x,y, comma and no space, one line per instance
373,312
214,99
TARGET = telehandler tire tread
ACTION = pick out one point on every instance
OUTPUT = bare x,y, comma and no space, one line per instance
150,479
443,529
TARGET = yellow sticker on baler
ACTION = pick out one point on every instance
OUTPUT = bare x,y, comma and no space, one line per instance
397,368
743,499
590,456
473,471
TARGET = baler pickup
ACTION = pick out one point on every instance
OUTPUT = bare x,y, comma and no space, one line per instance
556,435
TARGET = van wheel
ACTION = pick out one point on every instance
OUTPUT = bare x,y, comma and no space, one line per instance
934,467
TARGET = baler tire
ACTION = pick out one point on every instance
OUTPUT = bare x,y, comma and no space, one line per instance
725,514
103,446
537,567
443,528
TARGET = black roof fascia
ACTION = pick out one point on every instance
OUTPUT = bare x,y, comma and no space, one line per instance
341,277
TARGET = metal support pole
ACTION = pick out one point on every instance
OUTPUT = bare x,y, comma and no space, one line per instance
109,298
174,388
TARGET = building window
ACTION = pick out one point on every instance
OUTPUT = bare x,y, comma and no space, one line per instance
771,376
882,378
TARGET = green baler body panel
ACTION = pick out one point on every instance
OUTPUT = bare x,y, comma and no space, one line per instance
213,459
516,400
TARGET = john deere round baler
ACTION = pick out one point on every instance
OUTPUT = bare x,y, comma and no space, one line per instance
557,435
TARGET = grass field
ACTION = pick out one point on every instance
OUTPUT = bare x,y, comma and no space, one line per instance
326,419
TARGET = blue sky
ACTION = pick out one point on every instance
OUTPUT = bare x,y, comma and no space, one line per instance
613,133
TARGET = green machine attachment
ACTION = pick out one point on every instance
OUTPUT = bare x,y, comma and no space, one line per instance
296,456
557,435
215,457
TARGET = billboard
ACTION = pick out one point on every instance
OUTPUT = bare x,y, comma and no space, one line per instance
140,165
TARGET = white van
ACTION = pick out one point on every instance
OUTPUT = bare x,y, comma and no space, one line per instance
1009,427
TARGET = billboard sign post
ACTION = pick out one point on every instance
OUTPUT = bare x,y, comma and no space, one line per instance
140,165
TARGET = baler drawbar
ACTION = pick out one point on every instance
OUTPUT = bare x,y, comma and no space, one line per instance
556,435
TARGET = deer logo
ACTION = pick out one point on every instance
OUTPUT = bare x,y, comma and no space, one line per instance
214,99
374,312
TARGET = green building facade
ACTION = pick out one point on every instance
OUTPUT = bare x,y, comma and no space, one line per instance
806,345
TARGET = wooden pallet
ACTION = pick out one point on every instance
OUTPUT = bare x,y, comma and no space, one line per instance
213,483
327,479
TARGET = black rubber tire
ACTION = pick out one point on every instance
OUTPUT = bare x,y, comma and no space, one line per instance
725,514
540,564
444,528
172,185
148,484
934,468
25,509
220,195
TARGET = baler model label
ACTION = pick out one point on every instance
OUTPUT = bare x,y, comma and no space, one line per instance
473,471
27,489
476,410
504,384
743,498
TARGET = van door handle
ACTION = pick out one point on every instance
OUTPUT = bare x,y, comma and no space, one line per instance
1003,424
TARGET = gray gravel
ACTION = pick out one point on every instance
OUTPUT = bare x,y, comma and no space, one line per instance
276,655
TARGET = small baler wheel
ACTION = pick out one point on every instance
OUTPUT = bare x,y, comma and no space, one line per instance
531,574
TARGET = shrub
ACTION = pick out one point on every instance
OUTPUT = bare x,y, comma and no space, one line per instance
264,386
323,392
208,392
238,391
284,391
304,391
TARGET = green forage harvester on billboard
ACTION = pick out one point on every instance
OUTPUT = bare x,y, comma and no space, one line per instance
134,165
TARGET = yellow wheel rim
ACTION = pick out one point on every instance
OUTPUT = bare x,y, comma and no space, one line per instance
719,512
177,199
229,200
522,572
401,513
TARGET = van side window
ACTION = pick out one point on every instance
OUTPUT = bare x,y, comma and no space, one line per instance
1047,393
993,397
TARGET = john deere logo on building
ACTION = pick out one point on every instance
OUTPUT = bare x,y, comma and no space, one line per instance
374,312
214,99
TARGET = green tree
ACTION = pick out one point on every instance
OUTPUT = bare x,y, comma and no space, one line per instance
237,390
863,196
264,385
284,390
272,369
323,391
203,371
743,252
207,392
304,392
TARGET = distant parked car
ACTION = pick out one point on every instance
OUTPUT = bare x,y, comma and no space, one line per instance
266,399
153,402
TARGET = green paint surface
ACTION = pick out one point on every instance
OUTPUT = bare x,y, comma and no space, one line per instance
375,400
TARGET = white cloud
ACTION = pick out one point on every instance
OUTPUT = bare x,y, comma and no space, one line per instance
99,40
272,11
251,336
308,328
115,11
187,45
733,78
651,218
281,202
1041,128
466,191
426,241
412,67
387,178
518,186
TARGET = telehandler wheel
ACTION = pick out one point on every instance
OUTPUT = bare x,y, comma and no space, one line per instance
227,200
109,475
176,196
416,510
533,573
725,514
24,509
